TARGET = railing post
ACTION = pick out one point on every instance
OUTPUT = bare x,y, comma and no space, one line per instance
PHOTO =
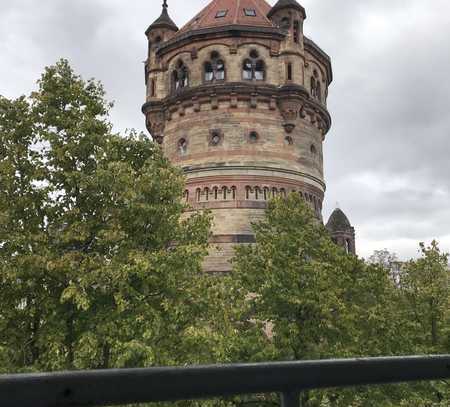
291,399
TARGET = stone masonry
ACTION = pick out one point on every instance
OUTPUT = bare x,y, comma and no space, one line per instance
237,99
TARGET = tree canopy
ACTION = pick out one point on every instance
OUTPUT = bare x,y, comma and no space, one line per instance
98,268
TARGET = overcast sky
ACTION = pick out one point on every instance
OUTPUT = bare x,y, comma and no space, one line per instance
387,157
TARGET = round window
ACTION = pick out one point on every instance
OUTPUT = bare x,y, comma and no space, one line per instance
253,137
215,139
254,53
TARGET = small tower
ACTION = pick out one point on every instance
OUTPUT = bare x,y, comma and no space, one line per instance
159,32
341,231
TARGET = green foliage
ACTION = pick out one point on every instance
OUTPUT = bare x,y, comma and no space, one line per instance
98,267
317,302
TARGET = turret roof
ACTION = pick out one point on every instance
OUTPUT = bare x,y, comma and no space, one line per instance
338,221
221,13
287,4
163,21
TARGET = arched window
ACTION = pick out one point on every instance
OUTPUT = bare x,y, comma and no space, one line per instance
180,77
348,246
215,68
313,87
253,68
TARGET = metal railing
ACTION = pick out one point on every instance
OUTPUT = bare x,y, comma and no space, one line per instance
126,386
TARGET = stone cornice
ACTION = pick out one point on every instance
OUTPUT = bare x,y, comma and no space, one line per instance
233,168
314,49
190,96
220,32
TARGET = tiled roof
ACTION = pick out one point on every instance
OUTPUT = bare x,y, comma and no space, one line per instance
163,21
338,222
221,13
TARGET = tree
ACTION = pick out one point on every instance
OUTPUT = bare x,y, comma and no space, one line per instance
98,267
426,287
319,302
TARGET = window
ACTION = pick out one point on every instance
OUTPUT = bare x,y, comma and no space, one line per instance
296,32
221,13
253,137
285,23
215,138
313,150
153,88
180,77
214,69
182,146
289,72
316,89
250,12
313,87
259,70
253,68
348,246
248,70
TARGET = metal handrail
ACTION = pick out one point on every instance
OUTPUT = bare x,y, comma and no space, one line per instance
126,386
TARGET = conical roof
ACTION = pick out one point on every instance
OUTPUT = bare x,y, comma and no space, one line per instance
338,221
163,21
281,4
221,13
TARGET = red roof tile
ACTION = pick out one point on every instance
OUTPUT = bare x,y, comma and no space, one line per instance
235,15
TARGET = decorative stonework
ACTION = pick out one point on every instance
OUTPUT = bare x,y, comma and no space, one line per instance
245,136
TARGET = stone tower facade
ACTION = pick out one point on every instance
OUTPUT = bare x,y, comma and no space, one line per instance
341,231
238,99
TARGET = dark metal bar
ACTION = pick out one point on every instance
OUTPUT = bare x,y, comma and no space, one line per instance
114,387
291,399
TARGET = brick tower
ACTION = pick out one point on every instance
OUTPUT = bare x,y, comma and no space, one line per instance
237,99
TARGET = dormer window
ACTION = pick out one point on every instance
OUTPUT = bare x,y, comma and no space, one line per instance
221,13
250,12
